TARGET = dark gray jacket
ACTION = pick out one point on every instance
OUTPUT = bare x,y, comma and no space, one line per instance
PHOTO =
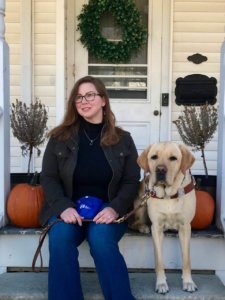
59,163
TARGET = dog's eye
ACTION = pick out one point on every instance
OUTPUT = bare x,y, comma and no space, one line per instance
154,157
172,158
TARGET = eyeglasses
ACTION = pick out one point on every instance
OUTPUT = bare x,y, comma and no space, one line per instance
88,97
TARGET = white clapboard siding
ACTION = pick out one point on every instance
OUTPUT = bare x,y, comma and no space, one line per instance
44,6
44,72
44,80
207,46
198,27
210,146
43,61
13,38
181,56
15,143
15,151
45,49
48,17
51,122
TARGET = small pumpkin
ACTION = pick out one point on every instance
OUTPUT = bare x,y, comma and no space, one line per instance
205,207
24,204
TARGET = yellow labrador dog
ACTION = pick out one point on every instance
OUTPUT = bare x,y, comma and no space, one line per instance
171,204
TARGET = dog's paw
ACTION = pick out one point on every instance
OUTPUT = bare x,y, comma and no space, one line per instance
162,288
189,286
160,192
139,227
144,229
169,191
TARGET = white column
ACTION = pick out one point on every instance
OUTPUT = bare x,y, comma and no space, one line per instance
220,205
4,117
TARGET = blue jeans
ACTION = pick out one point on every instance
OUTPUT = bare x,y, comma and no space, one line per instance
64,274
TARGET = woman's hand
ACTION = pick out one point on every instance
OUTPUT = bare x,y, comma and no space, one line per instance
106,216
70,215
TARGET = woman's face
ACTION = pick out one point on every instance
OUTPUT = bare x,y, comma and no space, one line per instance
91,111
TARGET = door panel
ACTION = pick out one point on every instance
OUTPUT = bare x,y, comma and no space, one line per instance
134,88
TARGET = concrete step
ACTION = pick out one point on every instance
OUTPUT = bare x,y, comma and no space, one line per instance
33,286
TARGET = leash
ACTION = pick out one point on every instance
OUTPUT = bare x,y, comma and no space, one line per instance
42,237
46,229
148,193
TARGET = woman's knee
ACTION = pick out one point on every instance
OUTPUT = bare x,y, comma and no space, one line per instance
103,238
63,234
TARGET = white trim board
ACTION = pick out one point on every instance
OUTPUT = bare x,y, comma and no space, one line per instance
60,60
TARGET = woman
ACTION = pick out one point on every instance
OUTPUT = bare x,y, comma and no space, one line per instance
87,155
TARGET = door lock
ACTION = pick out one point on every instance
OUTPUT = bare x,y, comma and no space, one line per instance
165,99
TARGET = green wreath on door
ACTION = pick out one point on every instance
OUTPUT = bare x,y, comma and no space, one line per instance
127,18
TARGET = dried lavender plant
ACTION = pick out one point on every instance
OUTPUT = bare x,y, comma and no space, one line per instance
196,126
29,126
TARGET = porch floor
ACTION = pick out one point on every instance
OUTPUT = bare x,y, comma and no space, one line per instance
27,286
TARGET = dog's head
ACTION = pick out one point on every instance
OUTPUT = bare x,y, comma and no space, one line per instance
165,161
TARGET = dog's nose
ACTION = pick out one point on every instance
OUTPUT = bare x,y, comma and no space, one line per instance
161,171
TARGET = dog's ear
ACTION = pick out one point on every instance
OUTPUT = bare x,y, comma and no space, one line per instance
143,160
187,159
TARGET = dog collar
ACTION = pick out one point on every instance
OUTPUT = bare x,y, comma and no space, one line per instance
181,192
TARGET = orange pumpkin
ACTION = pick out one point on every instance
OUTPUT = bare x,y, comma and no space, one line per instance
24,204
205,207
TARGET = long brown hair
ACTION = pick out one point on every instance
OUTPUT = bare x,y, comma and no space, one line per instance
71,122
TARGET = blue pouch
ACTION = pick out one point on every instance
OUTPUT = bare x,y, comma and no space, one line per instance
88,206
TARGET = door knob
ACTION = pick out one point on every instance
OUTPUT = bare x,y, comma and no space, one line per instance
155,112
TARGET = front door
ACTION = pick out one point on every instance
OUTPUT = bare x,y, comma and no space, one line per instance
134,88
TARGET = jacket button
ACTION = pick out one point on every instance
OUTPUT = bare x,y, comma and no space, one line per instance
60,153
121,153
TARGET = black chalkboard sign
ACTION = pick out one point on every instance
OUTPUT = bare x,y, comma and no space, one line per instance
196,89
